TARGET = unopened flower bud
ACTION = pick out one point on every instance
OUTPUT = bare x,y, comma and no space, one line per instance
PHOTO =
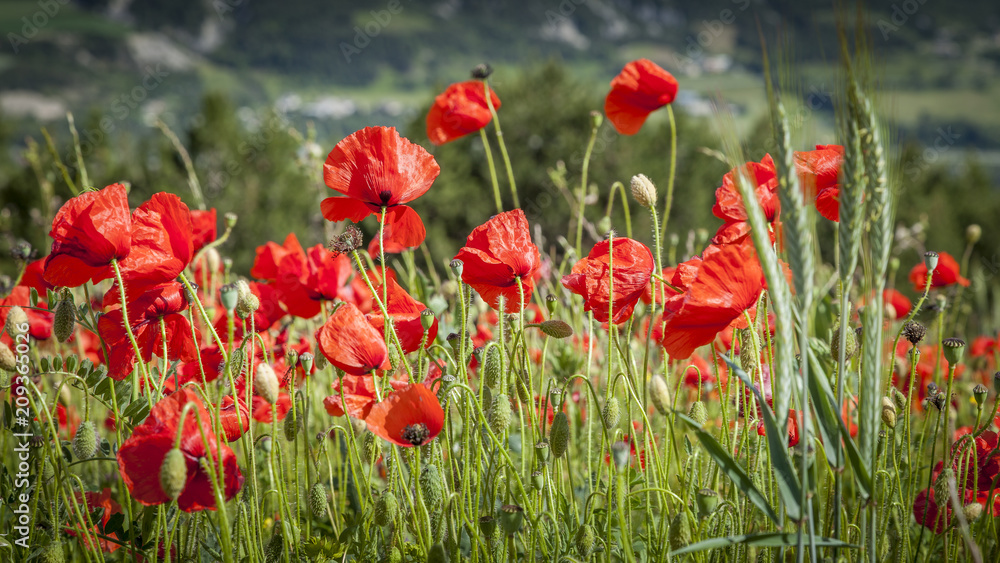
583,541
291,426
386,508
500,414
899,399
17,321
850,340
643,191
888,412
620,452
698,412
680,531
52,553
660,394
8,361
492,366
85,441
64,318
246,303
431,486
482,71
213,259
556,329
320,362
972,511
173,473
318,500
612,413
973,233
230,219
559,434
266,383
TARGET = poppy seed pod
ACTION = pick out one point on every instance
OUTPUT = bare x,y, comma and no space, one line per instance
707,501
538,479
643,191
612,413
979,393
500,414
173,473
556,329
21,251
511,518
85,441
954,350
888,412
931,260
542,451
487,525
660,394
318,500
482,71
914,332
229,296
307,362
583,541
266,383
456,266
386,508
559,434
64,319
426,319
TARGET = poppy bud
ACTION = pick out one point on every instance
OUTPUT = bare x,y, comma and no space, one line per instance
318,500
265,383
643,191
213,259
227,265
8,361
511,518
487,525
274,548
64,318
552,304
456,266
620,452
191,295
431,486
612,413
680,531
16,319
941,486
373,447
386,508
972,511
604,225
173,473
53,553
931,260
230,219
85,441
888,412
556,329
229,296
291,358
899,398
559,434
914,332
660,394
482,71
707,501
426,319
584,540
247,303
492,366
394,556
850,343
320,362
21,251
542,450
306,360
954,350
698,412
291,426
973,233
597,118
500,414
979,393
436,554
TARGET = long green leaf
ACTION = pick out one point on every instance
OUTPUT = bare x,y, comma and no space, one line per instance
822,400
732,469
788,482
771,539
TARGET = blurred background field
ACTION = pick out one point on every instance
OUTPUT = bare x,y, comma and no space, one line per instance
259,91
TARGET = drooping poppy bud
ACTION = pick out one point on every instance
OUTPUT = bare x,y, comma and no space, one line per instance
173,473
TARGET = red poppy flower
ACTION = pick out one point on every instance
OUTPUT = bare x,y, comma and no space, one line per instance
147,305
90,502
351,344
641,88
376,168
269,257
632,267
204,227
496,255
359,396
654,289
793,429
819,173
235,418
89,231
728,282
141,456
411,416
406,317
264,412
34,277
729,203
899,303
984,346
460,110
161,240
947,273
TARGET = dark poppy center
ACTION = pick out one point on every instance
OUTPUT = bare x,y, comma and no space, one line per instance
416,434
384,196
